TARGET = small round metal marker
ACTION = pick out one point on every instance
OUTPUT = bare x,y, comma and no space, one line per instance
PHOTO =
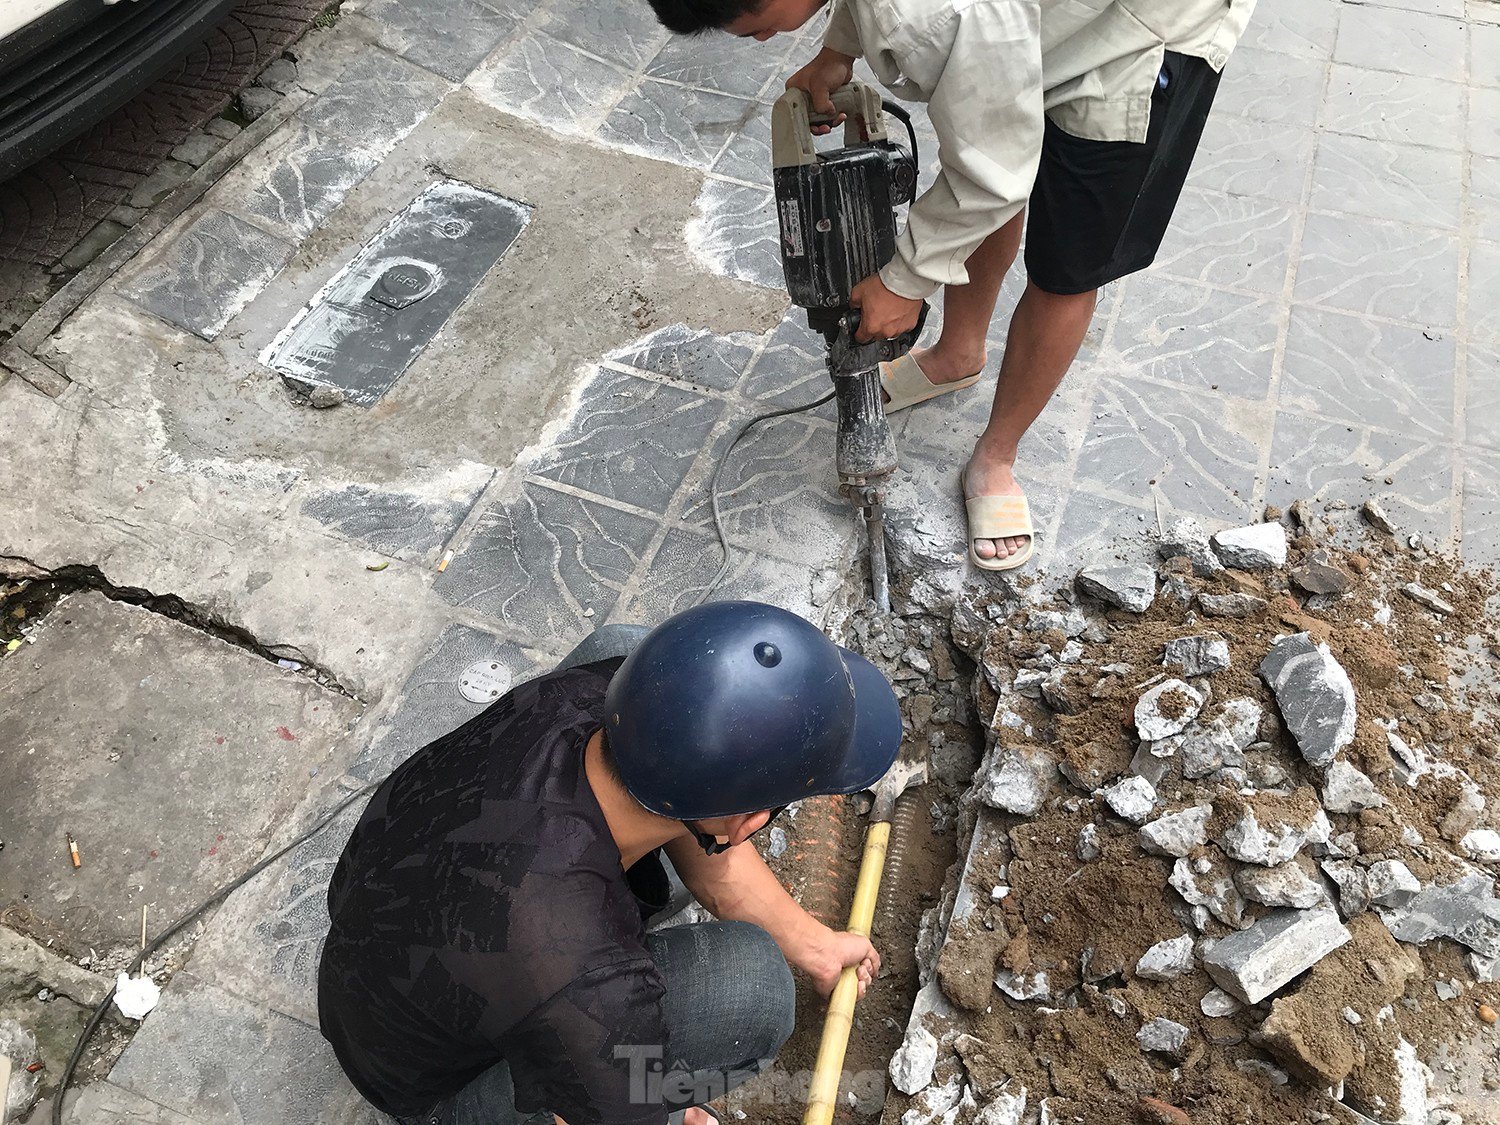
484,681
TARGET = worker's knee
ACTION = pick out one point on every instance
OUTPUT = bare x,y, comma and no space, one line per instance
730,984
767,995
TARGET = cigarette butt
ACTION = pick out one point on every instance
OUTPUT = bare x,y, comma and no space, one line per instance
447,558
32,1068
73,850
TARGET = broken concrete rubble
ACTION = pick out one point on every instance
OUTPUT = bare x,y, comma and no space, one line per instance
1287,884
1167,960
1131,588
1482,844
1211,889
1185,538
1314,696
1391,883
1165,1036
1231,605
1320,574
1167,709
1465,911
1255,962
1261,546
913,1063
1270,830
1198,655
1132,798
1346,790
1429,598
1020,783
1177,834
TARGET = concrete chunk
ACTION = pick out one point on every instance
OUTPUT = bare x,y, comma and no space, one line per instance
1320,574
1132,798
1167,960
1350,878
1177,833
1165,1036
1231,605
1217,1003
1261,546
1465,911
1254,963
1185,538
1391,883
1167,709
1482,844
1346,790
1269,830
1198,655
914,1061
1287,884
1431,599
1314,694
1126,587
1021,781
1212,889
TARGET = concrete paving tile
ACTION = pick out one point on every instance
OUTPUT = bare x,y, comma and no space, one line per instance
792,369
778,492
209,1055
1484,196
1245,157
1094,528
1484,54
376,101
430,702
685,564
104,1103
450,37
1270,86
623,31
309,179
1385,269
737,233
1320,461
1417,42
538,562
1301,28
1453,9
208,272
748,154
404,523
1484,122
1233,240
549,82
1396,376
631,439
1388,181
721,62
691,356
1481,510
1482,409
1196,336
1393,107
1202,450
677,124
1484,291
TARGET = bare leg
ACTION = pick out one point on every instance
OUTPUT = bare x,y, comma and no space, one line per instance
968,309
1046,331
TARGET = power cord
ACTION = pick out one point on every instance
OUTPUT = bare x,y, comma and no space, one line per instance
225,891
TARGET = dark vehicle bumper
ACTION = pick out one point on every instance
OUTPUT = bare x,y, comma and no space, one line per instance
83,60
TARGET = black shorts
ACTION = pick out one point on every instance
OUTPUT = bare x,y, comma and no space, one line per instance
1099,209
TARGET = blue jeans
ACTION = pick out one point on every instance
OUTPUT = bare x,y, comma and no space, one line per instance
605,642
729,1007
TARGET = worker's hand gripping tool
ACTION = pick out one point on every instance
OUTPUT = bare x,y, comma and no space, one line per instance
837,213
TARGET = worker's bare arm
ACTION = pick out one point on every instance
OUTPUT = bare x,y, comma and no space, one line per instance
736,885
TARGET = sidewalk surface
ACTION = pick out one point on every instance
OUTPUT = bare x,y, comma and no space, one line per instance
1322,324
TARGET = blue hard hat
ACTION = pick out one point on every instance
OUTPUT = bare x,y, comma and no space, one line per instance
735,707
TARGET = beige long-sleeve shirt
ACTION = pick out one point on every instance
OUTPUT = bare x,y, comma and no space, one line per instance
989,70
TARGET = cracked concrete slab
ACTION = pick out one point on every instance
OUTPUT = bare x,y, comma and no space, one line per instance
112,708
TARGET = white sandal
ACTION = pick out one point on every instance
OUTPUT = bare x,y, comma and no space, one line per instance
998,517
906,384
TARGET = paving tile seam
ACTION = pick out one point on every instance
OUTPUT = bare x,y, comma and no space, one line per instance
1468,226
733,397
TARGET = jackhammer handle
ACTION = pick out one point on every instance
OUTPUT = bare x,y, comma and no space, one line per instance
823,1091
792,120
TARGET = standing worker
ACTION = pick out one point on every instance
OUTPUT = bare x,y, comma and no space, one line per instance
1085,112
488,958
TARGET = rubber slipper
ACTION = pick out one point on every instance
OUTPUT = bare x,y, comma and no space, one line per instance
906,384
998,517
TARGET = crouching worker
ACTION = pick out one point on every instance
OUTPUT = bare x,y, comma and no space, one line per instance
489,960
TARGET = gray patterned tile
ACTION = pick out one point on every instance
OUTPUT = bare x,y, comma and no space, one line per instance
736,232
1484,291
748,154
1481,542
103,1103
1304,29
692,356
1386,269
1453,9
309,179
1394,107
676,124
1200,451
430,704
1406,42
1484,122
549,82
1270,86
792,368
1097,529
1484,196
623,31
405,523
1234,240
1245,157
778,491
721,62
539,562
1395,376
376,101
1484,54
1482,403
1197,336
207,1054
1385,180
450,37
685,564
209,272
1320,461
630,439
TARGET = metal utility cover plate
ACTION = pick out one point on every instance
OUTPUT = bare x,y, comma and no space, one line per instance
484,681
378,313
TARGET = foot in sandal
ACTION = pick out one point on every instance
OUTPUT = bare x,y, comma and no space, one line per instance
925,373
1001,534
